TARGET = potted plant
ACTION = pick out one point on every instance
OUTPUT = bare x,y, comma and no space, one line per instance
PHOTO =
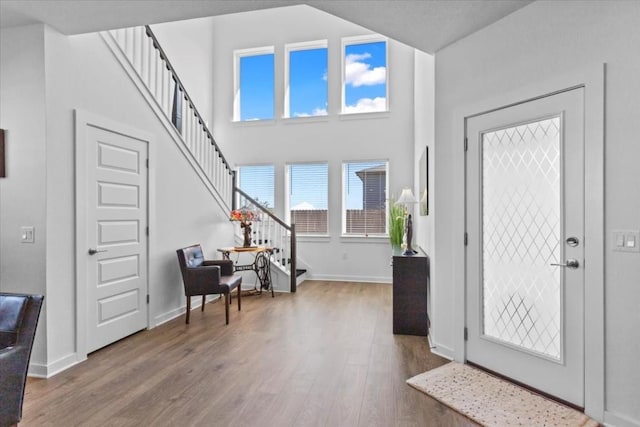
396,225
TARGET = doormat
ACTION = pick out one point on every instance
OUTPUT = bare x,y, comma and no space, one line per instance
492,401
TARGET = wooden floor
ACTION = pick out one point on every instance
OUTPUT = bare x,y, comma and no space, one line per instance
325,356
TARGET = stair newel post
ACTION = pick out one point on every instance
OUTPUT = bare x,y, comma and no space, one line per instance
293,276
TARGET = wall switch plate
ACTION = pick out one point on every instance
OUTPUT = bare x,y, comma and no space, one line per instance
28,234
626,240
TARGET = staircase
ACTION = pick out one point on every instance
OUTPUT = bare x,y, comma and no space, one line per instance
148,66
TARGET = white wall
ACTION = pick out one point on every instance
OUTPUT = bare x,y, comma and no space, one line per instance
333,139
23,191
533,44
45,76
424,131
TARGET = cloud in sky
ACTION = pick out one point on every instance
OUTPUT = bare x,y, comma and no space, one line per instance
315,112
367,105
359,73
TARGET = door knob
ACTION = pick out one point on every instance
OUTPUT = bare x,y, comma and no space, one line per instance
571,263
95,251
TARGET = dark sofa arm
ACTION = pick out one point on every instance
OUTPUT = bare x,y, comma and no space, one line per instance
13,379
226,266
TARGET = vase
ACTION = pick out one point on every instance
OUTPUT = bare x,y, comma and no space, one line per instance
246,226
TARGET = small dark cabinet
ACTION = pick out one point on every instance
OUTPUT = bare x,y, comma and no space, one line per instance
410,288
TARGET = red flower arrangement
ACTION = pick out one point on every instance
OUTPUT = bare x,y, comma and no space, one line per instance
245,216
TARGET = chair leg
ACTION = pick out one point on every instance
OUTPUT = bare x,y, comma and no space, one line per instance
203,300
188,308
226,307
239,295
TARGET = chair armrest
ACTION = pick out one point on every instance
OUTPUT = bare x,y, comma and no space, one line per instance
226,266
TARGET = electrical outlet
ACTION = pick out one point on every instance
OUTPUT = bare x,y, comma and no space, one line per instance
28,234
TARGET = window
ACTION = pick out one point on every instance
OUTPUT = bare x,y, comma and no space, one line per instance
308,196
254,84
306,78
364,195
364,84
258,182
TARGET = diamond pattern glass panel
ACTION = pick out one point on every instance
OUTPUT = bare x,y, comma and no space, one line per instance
521,236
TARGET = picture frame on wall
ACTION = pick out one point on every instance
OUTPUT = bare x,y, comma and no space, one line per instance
3,168
423,197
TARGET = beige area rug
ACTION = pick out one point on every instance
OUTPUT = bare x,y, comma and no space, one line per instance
491,401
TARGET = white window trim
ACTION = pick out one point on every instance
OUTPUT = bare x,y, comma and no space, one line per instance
287,201
348,41
292,47
237,55
343,213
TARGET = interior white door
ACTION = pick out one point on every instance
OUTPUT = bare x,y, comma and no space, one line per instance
525,251
116,221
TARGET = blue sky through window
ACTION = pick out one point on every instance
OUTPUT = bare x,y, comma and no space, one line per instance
308,82
365,77
257,87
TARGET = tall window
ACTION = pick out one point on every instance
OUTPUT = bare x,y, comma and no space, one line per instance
258,182
308,197
364,84
306,79
254,84
364,195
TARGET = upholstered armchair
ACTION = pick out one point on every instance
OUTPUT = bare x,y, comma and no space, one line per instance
207,277
18,320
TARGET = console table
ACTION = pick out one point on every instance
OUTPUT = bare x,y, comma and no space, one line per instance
410,290
261,264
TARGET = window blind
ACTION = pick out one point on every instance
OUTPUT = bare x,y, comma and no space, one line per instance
364,196
258,182
308,197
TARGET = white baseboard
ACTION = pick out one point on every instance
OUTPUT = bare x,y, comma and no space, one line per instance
180,311
38,370
441,350
342,278
616,420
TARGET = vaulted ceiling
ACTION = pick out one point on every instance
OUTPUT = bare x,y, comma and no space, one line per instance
428,25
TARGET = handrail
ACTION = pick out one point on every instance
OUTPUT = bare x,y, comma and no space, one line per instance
262,208
174,75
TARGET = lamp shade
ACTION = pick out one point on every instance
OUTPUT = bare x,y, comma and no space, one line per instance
406,197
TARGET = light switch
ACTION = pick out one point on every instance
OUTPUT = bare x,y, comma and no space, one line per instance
626,240
27,234
631,241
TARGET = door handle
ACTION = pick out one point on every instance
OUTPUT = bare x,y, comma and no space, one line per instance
571,263
95,251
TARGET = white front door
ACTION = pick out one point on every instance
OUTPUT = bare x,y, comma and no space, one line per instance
525,250
116,242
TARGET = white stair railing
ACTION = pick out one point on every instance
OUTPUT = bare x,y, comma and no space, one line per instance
145,56
271,231
141,54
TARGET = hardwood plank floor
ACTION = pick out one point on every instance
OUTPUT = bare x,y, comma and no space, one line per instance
325,356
